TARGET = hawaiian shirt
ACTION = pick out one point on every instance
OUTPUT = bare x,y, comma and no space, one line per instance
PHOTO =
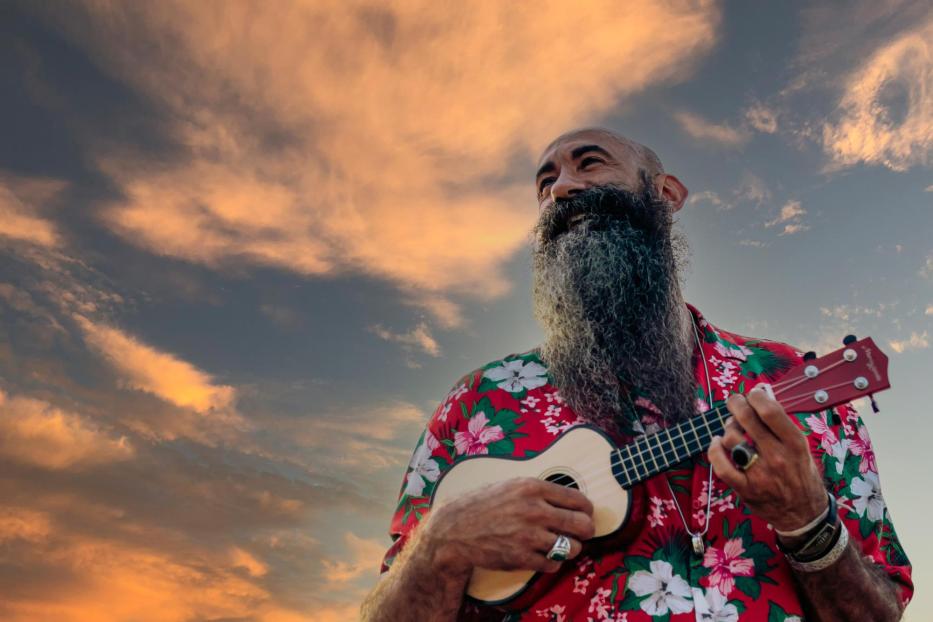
510,407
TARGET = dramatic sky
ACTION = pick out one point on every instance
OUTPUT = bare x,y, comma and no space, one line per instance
246,248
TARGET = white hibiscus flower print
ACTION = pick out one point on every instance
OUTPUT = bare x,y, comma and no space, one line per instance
423,469
868,497
714,607
665,590
515,376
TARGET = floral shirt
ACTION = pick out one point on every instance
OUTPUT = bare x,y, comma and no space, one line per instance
510,408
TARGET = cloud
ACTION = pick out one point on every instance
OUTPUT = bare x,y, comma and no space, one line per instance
36,433
762,118
20,221
283,316
419,336
363,558
846,313
23,524
708,196
328,138
886,108
145,368
752,190
707,131
916,341
791,214
926,271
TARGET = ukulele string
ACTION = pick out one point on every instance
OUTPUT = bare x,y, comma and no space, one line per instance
638,457
789,384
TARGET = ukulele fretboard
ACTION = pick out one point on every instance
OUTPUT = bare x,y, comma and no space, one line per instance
654,453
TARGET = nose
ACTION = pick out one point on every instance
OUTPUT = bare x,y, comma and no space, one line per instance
566,186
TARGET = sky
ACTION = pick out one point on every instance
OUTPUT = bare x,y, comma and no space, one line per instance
247,247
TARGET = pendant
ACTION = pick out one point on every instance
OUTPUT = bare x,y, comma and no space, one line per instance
698,546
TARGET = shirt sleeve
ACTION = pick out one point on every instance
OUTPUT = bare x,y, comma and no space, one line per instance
434,454
840,444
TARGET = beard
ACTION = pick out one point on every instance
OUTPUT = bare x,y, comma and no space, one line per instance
606,293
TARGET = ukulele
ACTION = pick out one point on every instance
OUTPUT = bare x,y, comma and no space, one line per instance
584,458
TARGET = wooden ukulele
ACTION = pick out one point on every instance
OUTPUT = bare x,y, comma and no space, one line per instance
583,457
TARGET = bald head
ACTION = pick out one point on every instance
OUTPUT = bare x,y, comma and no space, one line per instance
595,156
645,155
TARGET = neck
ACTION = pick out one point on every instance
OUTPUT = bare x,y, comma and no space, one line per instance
651,454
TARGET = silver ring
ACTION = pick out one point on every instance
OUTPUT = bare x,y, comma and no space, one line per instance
744,455
561,549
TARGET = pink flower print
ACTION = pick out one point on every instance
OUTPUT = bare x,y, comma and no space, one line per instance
477,436
820,424
727,563
599,604
531,401
861,446
657,513
726,376
554,613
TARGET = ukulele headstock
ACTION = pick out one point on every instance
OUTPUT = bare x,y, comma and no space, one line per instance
858,369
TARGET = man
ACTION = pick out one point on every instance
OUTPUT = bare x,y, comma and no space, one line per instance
624,352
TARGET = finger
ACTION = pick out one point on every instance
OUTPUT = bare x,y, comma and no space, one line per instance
570,523
563,497
772,415
751,423
541,563
733,435
548,538
724,468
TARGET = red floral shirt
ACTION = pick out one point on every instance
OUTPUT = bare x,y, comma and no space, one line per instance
510,408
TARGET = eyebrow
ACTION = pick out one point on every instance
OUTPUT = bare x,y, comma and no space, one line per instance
549,166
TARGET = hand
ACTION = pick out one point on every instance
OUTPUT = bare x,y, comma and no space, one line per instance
784,486
508,526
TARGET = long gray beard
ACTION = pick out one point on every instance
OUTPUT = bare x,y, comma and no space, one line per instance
606,294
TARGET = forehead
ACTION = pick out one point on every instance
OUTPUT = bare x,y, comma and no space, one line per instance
617,147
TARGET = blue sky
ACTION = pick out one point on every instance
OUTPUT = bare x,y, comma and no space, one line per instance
247,251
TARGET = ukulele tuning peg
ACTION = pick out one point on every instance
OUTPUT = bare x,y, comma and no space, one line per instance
809,356
849,339
874,404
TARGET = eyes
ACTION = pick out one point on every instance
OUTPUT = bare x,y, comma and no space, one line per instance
586,163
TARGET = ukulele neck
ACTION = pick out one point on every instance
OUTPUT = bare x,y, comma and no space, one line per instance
651,454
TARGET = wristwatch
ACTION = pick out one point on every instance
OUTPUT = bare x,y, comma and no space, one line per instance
818,540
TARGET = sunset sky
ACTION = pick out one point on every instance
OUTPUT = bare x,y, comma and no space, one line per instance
247,247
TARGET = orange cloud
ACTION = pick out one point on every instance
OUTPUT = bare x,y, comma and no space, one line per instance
383,139
869,129
707,131
145,368
364,556
916,341
20,221
23,524
36,433
114,583
420,337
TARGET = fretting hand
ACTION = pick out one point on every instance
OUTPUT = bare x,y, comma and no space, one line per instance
783,486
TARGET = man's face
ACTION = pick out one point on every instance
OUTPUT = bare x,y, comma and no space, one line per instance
585,160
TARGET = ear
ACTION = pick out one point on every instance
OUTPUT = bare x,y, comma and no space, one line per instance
672,190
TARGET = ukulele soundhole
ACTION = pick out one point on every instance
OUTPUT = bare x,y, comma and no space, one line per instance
563,479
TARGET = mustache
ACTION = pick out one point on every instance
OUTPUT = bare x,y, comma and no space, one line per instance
599,206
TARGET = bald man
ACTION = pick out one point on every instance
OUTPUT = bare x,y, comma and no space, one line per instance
799,530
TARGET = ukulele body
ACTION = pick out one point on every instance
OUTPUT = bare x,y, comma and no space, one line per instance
584,454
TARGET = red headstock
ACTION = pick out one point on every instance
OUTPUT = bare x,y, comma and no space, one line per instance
856,370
